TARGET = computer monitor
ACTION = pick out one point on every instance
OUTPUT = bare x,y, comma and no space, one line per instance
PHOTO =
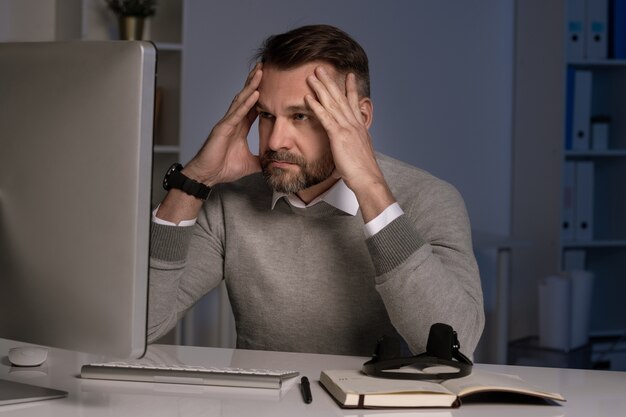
76,121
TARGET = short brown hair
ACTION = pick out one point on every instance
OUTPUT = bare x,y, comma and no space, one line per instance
317,43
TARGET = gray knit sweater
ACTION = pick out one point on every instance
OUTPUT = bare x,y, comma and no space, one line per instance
308,280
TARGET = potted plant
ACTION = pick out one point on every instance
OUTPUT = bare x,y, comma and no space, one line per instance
131,15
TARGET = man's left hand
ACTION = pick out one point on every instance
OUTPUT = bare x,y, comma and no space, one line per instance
346,118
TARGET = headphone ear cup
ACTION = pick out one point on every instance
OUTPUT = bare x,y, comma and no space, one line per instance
440,341
388,347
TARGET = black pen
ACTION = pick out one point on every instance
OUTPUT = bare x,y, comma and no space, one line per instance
305,387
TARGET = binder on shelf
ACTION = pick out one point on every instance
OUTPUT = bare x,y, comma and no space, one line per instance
569,107
617,29
581,110
575,30
583,197
568,220
596,40
600,130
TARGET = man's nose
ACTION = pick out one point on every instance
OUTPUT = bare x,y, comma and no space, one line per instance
280,136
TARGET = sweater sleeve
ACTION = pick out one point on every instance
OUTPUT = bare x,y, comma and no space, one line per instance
185,263
426,271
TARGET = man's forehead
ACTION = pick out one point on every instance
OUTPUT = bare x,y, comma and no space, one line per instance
274,77
291,84
305,68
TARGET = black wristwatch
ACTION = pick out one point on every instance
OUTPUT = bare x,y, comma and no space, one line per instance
176,179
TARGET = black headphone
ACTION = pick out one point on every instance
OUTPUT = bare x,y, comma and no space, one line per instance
442,348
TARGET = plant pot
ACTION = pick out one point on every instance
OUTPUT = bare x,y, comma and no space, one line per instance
131,28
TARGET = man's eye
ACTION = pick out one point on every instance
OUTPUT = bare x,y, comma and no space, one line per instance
300,116
265,115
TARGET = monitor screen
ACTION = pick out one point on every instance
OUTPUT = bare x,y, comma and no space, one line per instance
76,122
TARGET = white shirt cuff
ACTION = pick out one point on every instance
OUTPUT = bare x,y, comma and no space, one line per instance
379,222
156,220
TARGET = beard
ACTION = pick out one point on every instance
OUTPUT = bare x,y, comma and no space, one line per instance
290,182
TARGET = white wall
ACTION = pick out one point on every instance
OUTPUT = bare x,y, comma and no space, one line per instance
27,20
538,139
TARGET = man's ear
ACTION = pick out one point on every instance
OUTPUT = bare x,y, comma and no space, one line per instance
367,110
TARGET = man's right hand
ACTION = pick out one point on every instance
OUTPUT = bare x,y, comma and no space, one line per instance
224,157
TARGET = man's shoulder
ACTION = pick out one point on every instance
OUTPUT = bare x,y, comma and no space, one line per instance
407,181
399,172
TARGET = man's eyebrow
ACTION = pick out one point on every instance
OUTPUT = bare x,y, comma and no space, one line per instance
294,108
298,108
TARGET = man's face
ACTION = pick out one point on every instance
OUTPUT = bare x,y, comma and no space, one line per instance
294,147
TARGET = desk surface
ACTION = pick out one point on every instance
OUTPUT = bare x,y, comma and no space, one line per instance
588,393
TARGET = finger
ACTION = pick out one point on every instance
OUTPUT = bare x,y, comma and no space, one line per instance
353,96
250,79
324,98
252,114
243,111
251,74
330,83
244,94
328,121
247,106
336,94
253,82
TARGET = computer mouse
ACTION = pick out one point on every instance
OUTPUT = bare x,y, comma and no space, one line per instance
28,355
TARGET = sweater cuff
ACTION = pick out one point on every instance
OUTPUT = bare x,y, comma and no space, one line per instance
170,243
393,245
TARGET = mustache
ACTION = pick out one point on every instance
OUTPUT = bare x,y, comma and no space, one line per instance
282,156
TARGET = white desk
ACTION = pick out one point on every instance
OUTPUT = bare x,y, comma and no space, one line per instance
588,393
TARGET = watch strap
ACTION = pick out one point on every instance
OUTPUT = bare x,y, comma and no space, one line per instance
174,178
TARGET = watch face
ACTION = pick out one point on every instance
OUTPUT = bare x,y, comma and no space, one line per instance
172,169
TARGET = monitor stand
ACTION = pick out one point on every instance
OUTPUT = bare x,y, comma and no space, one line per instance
15,392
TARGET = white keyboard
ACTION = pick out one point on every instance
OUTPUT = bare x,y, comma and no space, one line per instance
185,374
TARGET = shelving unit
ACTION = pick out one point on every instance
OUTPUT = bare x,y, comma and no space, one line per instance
604,252
165,29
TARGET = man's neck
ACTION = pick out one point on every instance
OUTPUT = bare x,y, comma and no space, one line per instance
309,194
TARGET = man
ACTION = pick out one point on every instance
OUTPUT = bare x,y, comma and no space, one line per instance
324,245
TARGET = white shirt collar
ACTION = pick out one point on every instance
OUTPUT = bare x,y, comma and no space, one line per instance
338,196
